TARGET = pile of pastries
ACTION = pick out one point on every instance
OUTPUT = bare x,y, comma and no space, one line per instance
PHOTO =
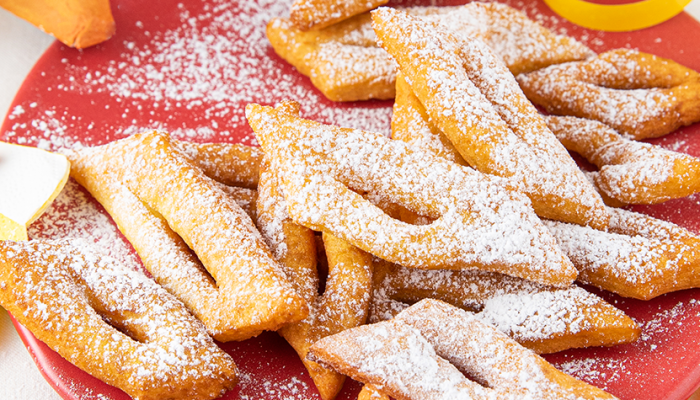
436,264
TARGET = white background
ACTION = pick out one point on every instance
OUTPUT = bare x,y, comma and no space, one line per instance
21,44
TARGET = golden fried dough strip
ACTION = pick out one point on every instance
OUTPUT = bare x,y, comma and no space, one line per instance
230,164
410,123
318,14
293,245
660,261
641,257
541,318
343,305
630,172
523,44
370,392
639,267
471,97
394,356
485,354
244,198
422,353
152,191
345,62
638,94
345,301
342,61
478,223
111,321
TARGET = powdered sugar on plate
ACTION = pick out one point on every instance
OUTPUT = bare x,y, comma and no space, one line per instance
205,68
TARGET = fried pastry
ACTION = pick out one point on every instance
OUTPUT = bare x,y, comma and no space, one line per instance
475,101
231,164
345,63
640,257
111,321
76,23
541,318
345,300
624,262
370,392
165,206
318,14
245,198
342,61
638,94
410,123
478,222
424,352
522,44
630,172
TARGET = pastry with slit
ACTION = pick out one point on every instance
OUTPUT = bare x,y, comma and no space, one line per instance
191,235
112,322
638,94
345,300
428,350
478,222
470,95
542,318
639,256
345,62
629,172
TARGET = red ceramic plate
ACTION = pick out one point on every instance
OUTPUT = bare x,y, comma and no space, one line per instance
190,67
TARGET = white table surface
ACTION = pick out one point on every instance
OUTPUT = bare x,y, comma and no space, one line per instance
21,45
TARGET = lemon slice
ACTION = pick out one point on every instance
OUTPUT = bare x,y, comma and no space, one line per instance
30,179
617,17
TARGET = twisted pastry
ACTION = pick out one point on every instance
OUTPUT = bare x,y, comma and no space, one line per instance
423,353
475,101
640,257
345,301
478,223
638,94
541,318
629,172
345,62
165,206
112,322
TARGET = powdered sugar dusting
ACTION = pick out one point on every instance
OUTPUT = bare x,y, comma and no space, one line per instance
148,172
317,161
75,215
408,355
640,257
217,60
640,95
192,79
74,299
472,97
283,389
629,171
523,310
